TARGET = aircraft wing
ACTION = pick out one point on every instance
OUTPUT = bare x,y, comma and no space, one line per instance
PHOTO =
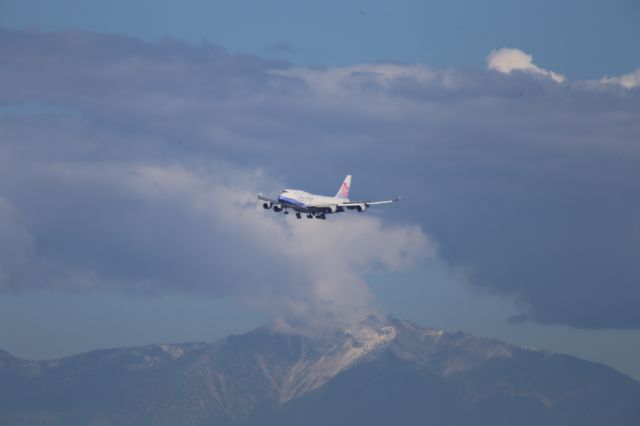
369,203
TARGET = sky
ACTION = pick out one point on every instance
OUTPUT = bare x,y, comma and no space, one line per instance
134,137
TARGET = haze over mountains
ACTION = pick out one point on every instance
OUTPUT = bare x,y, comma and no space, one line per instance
387,372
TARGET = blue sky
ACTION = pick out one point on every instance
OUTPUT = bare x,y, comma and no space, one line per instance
580,38
519,173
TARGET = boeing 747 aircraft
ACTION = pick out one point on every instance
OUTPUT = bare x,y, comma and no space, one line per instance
318,206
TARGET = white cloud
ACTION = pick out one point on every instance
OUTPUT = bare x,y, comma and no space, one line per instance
320,263
207,234
507,60
628,81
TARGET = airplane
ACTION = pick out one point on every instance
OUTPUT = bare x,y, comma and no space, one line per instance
318,206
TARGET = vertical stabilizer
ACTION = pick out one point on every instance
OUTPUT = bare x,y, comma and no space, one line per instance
343,192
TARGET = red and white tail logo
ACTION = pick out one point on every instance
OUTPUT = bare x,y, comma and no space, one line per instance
343,192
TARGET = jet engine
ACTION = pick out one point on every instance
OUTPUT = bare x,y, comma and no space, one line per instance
267,206
277,209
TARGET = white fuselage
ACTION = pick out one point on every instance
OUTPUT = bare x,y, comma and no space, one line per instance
302,200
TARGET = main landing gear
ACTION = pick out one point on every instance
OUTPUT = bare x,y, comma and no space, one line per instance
320,216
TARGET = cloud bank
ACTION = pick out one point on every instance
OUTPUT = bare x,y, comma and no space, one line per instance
135,165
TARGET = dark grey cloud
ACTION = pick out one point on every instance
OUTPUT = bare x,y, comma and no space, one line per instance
528,186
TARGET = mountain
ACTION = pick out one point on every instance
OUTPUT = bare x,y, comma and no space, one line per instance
388,372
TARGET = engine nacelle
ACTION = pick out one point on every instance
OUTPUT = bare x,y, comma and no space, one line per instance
333,209
277,209
267,206
362,207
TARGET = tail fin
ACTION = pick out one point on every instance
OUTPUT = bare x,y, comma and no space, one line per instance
343,192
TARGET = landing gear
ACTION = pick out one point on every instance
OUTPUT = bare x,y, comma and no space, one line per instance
286,211
310,215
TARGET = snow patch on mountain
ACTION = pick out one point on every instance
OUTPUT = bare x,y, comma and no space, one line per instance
310,373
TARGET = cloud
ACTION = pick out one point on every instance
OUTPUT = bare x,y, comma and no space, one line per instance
628,81
141,170
334,80
148,228
506,60
16,248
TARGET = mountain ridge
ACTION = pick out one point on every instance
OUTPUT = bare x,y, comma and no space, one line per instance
268,377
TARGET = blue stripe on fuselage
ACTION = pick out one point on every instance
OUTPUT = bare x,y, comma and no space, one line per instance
290,201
